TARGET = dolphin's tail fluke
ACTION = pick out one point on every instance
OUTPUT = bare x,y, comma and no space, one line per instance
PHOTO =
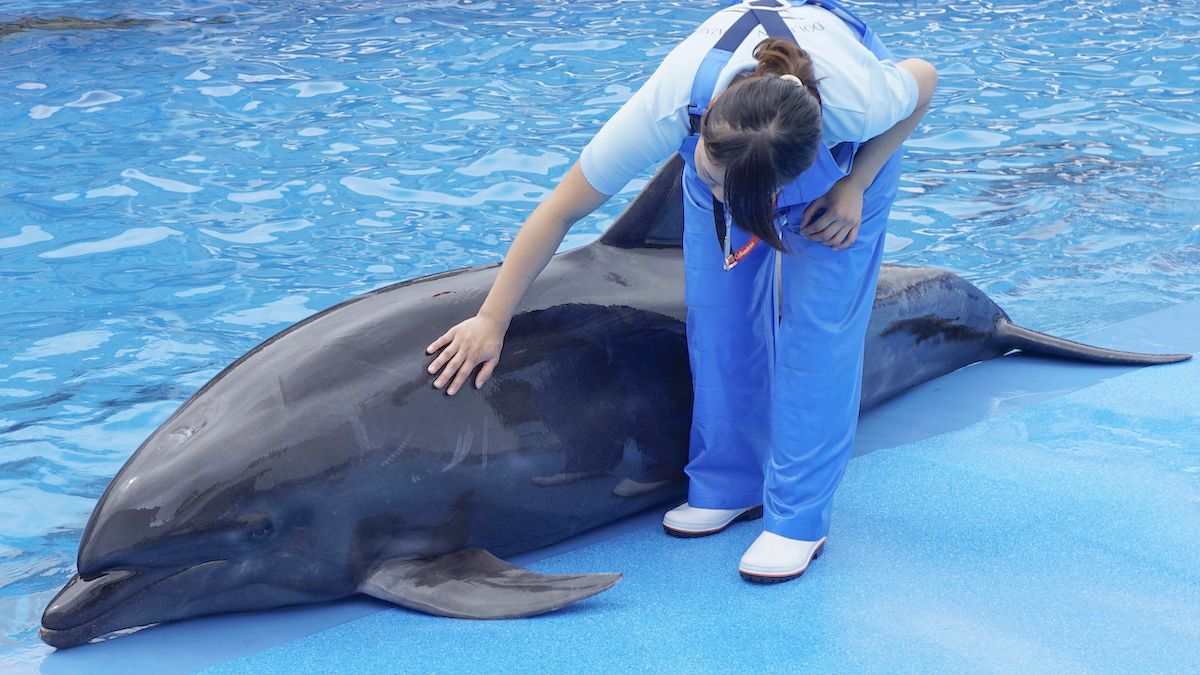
1034,342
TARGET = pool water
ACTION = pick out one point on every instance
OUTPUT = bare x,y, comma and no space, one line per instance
176,190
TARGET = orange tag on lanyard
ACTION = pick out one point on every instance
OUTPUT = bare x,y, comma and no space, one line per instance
735,257
725,237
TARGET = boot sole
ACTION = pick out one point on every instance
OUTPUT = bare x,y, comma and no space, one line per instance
753,514
780,578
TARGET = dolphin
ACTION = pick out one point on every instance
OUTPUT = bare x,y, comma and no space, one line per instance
323,463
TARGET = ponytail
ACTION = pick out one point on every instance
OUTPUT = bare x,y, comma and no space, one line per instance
780,57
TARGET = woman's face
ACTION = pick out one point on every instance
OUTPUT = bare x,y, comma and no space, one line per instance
711,173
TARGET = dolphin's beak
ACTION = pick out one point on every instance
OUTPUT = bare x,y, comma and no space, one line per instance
77,613
88,608
66,639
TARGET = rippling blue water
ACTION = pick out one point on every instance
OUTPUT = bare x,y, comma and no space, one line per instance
176,191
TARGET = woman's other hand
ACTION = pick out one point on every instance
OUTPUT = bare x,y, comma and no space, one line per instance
840,210
473,342
833,219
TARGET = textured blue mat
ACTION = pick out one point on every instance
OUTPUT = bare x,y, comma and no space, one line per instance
1057,538
1060,538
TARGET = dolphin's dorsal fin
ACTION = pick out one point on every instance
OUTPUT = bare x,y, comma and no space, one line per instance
474,584
654,219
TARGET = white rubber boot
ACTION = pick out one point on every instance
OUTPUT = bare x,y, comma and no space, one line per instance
773,559
690,521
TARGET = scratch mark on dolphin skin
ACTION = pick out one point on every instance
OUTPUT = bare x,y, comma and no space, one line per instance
464,446
360,432
442,293
279,395
398,451
616,279
930,326
400,395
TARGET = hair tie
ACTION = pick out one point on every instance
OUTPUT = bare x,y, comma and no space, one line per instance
792,78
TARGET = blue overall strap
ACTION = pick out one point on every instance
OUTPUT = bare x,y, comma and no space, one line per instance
712,65
773,24
717,57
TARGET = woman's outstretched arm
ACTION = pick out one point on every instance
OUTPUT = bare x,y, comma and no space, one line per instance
478,340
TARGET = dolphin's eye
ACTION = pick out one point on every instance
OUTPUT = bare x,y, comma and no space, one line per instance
256,525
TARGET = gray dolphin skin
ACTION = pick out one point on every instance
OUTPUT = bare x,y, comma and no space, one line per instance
323,463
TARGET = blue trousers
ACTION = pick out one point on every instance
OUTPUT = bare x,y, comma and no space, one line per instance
777,377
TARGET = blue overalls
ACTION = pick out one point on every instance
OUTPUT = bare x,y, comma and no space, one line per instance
776,394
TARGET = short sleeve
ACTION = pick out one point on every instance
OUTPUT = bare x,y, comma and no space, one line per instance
861,96
896,97
644,132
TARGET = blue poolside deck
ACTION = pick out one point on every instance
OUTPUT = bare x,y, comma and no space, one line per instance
1018,516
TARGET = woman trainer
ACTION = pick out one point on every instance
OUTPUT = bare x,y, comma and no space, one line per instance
790,118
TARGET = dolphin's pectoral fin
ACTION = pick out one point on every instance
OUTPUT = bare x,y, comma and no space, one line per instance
474,584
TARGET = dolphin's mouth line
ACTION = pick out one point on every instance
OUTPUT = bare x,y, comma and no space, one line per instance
67,638
92,627
139,573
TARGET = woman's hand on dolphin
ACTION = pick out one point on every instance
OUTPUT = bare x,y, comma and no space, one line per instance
833,219
477,341
474,342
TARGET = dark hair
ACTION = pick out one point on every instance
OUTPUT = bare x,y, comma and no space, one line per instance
764,131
